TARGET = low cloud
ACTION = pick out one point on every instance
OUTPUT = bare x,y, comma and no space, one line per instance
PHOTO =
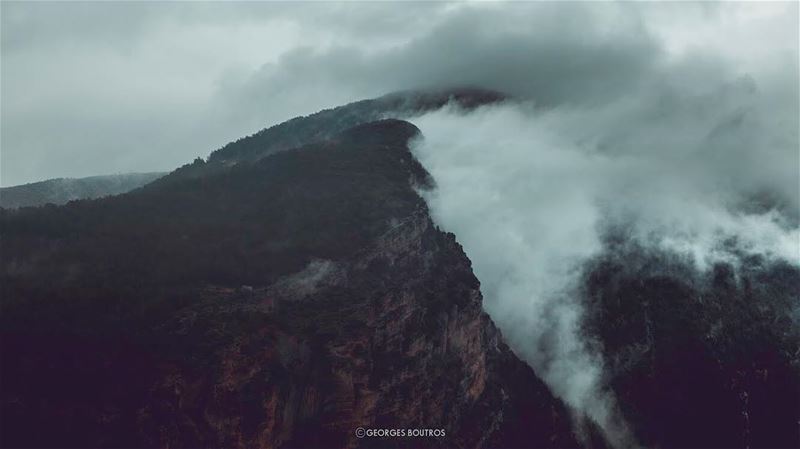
696,160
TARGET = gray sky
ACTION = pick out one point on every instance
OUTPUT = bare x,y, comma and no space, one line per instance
97,88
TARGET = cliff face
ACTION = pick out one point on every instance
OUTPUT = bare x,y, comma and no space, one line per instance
283,304
392,338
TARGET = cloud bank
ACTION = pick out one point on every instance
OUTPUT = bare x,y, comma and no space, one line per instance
696,158
532,205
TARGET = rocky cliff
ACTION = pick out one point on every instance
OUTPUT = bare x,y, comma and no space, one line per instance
283,303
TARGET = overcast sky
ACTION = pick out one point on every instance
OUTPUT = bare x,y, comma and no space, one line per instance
98,88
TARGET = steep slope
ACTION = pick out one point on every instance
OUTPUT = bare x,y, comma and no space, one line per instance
63,190
283,303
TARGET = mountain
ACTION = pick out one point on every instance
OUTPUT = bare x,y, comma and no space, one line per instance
63,190
283,303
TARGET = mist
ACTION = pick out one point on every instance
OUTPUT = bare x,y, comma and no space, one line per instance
698,161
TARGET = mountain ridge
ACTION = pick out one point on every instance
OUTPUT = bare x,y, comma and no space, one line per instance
325,124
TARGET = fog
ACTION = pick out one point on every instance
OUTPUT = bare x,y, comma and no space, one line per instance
699,161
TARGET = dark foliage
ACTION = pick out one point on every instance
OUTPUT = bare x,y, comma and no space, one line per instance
700,360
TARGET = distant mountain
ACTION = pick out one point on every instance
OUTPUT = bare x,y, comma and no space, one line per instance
63,190
284,303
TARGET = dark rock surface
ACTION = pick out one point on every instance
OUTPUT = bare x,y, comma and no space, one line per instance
283,303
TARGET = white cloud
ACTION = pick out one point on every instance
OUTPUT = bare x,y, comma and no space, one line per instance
532,193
